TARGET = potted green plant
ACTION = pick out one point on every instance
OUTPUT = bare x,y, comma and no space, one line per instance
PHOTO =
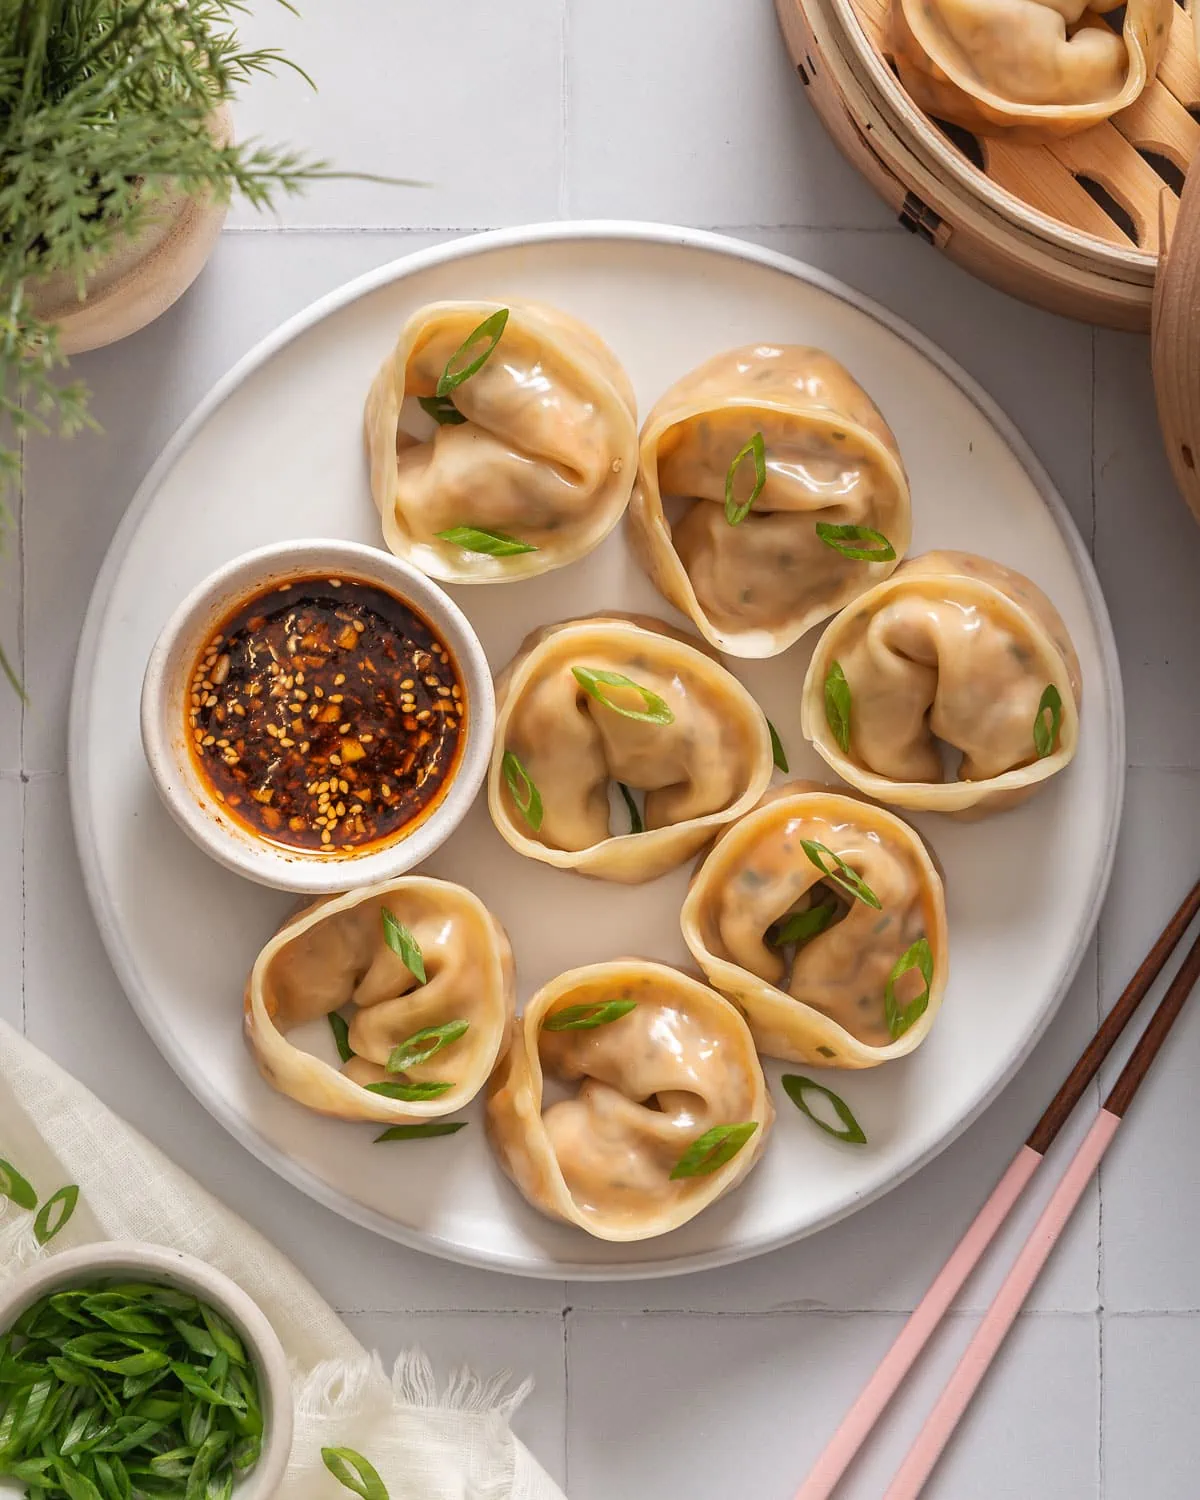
117,163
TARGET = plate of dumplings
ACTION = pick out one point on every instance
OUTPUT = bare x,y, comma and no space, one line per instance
799,772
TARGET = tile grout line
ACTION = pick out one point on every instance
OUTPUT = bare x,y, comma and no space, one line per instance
23,813
892,231
456,1311
23,919
1092,447
564,174
566,1351
1100,1396
1096,1086
961,1314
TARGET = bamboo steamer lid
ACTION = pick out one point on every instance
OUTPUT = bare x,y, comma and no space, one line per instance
1074,226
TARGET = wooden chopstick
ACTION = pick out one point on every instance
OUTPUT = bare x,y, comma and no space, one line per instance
1008,1301
879,1390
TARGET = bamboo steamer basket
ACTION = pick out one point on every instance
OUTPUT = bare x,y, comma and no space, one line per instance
1175,344
1075,226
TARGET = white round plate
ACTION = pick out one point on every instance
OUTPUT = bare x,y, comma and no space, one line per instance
276,451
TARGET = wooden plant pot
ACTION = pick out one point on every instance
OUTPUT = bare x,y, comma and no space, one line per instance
142,277
1073,226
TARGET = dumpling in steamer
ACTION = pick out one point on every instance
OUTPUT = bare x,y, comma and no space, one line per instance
667,1111
502,440
788,430
1031,69
824,918
423,1046
952,687
591,705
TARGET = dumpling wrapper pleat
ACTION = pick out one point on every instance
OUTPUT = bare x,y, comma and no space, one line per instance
832,1012
547,455
754,588
649,1084
333,953
698,773
952,651
1029,70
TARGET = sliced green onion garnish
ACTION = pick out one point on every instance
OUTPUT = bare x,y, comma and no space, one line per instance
837,705
778,753
341,1036
524,793
802,926
488,543
354,1472
14,1186
586,1017
840,872
796,1086
656,710
736,511
709,1152
55,1213
442,410
899,1020
421,1132
843,538
422,1045
456,370
1044,735
410,1093
636,822
403,945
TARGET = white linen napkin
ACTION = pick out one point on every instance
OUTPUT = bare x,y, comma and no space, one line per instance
453,1446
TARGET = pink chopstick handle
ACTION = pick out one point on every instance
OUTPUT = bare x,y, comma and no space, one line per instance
1000,1316
912,1338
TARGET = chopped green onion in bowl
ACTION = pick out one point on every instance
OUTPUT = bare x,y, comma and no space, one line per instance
131,1369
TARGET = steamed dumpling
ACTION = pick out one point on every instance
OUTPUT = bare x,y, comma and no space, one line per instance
961,688
335,954
1035,67
844,969
662,719
753,583
674,1062
536,448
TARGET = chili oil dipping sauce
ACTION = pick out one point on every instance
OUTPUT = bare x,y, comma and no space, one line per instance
332,716
326,714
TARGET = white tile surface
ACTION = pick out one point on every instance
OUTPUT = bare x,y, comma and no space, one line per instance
466,97
1147,554
10,636
740,1407
11,899
687,111
728,1384
513,1348
1151,1441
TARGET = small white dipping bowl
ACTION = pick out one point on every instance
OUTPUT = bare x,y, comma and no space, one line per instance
132,1261
165,704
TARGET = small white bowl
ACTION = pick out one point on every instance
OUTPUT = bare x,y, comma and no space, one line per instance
124,1259
164,717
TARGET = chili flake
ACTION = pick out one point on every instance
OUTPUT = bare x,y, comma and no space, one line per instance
326,715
